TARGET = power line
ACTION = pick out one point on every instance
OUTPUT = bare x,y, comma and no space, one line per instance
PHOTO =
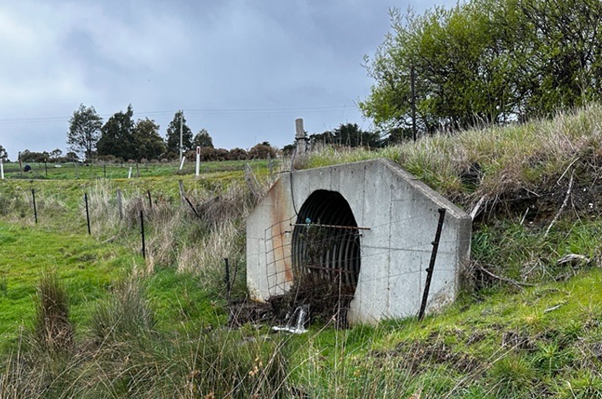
208,111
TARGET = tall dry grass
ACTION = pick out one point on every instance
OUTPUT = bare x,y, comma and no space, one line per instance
123,355
509,157
189,240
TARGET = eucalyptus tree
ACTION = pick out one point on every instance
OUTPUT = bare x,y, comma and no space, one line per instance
84,130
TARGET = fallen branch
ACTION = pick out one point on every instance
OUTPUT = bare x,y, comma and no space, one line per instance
192,207
505,279
566,170
566,200
573,259
553,308
108,240
477,207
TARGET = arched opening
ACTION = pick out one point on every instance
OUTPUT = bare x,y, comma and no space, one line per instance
326,241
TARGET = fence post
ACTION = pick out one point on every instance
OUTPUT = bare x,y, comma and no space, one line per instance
35,210
120,203
142,234
87,213
1,170
429,271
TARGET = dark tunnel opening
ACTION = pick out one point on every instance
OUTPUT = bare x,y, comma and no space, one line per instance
326,241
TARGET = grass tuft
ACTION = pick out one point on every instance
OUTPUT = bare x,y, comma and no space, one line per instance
53,330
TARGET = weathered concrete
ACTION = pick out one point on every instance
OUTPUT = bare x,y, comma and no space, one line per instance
300,137
401,213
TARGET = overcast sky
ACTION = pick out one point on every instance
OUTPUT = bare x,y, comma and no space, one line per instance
243,70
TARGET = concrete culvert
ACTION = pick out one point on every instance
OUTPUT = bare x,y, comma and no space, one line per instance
311,232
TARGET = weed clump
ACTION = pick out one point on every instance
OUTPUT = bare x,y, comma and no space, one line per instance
53,330
124,316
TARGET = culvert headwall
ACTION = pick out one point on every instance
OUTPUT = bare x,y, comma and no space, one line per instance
367,226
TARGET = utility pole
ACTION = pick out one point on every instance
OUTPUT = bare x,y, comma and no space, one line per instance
181,123
413,86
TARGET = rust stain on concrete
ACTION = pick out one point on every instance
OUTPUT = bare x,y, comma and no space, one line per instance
280,225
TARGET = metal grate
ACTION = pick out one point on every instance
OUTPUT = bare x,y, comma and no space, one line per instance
326,240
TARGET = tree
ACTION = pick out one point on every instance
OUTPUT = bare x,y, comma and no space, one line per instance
564,62
55,154
237,154
117,136
173,134
351,135
485,61
202,139
348,134
147,143
262,151
71,156
33,156
3,154
84,130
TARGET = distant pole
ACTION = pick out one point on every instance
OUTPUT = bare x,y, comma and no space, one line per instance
181,136
104,168
130,173
46,166
198,160
413,84
1,169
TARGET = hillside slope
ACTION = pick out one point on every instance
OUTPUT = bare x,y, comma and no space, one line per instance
527,324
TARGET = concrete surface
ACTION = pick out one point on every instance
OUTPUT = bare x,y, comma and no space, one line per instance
402,215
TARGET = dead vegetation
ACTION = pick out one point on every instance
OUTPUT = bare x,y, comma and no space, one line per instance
326,302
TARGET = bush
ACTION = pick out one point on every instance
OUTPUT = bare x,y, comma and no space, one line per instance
261,151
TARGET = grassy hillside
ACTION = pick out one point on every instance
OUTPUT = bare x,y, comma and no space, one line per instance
87,316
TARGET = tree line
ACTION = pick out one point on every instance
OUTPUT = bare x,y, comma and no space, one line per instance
485,62
122,137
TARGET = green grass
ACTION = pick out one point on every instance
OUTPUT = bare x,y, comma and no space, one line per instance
87,268
157,328
74,170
